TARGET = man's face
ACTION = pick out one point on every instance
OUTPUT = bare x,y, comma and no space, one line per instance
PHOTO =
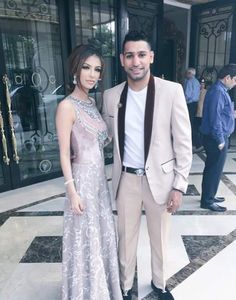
136,59
189,75
230,82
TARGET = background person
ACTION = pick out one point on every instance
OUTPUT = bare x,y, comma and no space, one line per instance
192,93
198,118
217,126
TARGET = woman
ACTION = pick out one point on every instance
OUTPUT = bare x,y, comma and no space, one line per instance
203,91
90,265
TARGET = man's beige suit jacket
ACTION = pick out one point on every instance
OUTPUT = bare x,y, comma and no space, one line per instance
169,157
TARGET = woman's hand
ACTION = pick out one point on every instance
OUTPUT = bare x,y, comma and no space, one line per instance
76,204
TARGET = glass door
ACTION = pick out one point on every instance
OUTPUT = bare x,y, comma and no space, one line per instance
32,84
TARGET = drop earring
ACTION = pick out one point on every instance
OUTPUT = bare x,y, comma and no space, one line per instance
96,84
74,80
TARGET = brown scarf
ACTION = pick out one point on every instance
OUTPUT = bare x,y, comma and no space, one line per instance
148,120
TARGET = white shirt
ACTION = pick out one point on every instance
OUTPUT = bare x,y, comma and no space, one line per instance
134,129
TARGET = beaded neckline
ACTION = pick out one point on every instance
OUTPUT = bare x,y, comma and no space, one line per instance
83,102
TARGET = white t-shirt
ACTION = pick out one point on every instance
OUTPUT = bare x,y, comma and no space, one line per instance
134,129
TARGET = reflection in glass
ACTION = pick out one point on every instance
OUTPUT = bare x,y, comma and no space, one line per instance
95,24
2,181
32,50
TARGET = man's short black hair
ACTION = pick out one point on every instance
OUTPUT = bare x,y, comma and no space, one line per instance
229,69
135,36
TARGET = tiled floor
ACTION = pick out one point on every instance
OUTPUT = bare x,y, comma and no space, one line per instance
201,253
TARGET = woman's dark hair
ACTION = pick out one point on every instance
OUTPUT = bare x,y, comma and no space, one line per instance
77,58
229,69
135,36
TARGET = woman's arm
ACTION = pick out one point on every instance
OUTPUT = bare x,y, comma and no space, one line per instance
65,118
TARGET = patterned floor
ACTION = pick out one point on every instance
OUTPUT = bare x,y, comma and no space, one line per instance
202,249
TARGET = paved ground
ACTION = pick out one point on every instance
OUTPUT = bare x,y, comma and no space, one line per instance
201,258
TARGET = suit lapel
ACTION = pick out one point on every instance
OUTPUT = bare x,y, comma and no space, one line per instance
148,118
121,120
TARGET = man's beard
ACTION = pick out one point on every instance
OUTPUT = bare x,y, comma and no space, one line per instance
139,77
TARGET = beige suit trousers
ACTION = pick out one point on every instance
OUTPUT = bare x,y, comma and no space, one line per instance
133,195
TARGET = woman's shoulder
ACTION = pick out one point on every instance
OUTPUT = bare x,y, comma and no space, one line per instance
65,102
66,107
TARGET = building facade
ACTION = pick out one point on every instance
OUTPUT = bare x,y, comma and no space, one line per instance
37,36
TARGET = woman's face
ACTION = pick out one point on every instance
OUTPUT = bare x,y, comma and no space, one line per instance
90,72
203,85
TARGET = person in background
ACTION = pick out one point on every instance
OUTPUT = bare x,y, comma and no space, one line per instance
198,118
217,126
90,263
192,93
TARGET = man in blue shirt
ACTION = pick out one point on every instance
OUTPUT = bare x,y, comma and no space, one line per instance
217,125
192,93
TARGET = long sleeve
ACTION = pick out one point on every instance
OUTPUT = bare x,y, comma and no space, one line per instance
181,132
188,90
191,90
215,116
106,118
218,117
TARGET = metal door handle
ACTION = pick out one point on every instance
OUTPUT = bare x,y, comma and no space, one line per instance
4,141
13,138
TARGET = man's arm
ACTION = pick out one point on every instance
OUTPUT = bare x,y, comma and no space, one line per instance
182,144
215,116
105,115
188,90
196,90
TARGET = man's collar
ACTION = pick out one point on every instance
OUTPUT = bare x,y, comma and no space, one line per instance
222,85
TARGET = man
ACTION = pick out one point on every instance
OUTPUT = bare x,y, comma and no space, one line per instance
217,125
149,121
192,93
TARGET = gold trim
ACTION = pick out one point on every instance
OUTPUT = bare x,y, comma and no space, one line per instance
13,138
5,157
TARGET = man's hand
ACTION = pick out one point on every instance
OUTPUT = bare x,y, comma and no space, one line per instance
175,201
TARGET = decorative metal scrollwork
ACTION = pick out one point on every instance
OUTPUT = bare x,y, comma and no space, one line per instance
220,27
31,9
215,28
205,30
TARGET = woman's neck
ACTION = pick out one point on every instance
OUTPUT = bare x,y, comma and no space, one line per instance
80,94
